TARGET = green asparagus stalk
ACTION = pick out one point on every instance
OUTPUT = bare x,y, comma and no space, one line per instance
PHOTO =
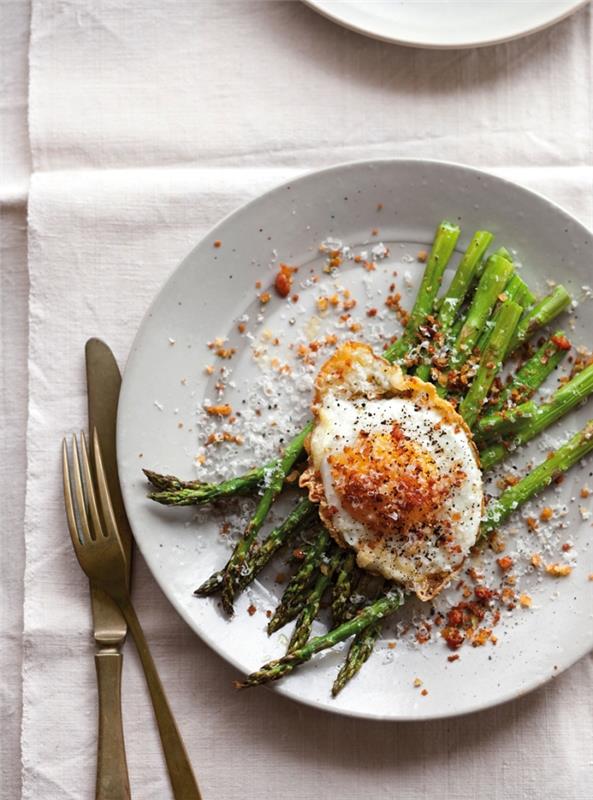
517,290
195,493
540,315
443,246
303,512
492,283
503,423
274,482
455,295
343,587
500,251
534,372
538,418
310,610
171,482
361,646
572,451
295,594
360,651
576,448
490,362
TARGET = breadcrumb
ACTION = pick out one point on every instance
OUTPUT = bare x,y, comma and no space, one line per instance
558,570
223,410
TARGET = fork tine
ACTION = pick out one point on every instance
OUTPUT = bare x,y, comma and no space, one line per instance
90,488
85,532
104,496
68,501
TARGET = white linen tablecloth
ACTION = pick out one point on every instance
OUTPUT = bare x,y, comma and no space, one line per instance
149,120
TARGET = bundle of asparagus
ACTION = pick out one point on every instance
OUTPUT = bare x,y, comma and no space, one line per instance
486,314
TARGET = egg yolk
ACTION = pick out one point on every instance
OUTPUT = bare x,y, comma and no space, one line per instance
390,483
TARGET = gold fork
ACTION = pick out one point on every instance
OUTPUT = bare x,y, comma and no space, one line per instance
100,553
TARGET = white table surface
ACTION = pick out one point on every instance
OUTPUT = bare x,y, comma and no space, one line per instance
295,92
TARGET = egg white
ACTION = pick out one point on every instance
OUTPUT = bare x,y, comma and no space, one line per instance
341,420
359,392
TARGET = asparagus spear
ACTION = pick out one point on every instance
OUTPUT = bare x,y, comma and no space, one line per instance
572,451
490,362
305,619
444,243
274,483
360,651
303,512
256,561
500,251
576,448
503,423
450,304
538,418
455,295
343,587
295,594
173,492
540,315
517,290
492,283
534,372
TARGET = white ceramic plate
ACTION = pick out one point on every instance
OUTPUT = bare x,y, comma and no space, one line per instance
164,385
446,23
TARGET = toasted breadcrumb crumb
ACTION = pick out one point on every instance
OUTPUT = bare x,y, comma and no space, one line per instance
505,563
558,570
223,410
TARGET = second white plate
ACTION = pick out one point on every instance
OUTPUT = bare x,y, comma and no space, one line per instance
446,23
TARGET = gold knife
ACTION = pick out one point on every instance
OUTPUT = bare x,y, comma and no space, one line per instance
109,625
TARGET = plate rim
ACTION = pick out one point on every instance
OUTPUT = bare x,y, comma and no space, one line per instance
127,491
321,7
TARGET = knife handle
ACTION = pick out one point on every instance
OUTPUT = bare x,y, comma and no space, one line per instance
183,781
112,768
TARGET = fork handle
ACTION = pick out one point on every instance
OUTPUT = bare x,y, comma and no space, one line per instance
112,769
181,775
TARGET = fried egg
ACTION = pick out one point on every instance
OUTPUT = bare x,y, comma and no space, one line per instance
394,470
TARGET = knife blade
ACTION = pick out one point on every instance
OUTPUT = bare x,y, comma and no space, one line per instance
109,625
103,385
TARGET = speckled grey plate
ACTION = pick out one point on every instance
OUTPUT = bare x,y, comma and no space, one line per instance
204,298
